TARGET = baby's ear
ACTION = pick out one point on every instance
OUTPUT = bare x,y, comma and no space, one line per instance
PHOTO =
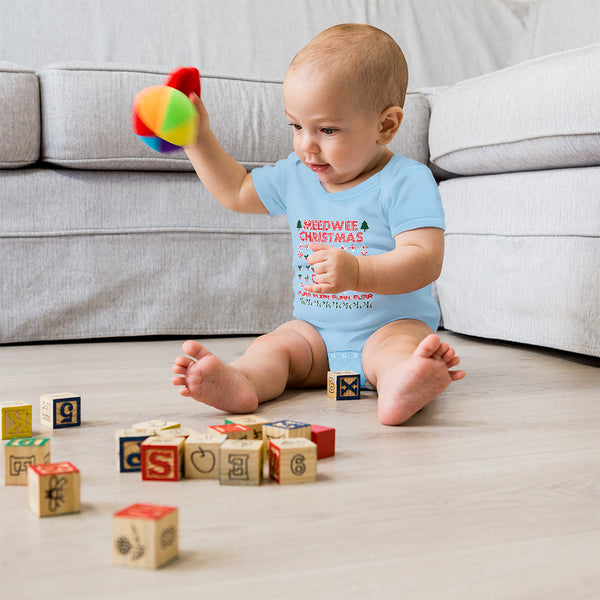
389,123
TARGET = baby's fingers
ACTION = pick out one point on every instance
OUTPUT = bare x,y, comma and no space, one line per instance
316,246
179,370
319,288
320,253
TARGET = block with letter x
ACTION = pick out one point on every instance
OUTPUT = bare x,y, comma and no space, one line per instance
343,385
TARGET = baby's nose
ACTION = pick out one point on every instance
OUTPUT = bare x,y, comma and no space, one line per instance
309,144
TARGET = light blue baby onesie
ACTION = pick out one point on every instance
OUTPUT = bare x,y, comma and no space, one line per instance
360,220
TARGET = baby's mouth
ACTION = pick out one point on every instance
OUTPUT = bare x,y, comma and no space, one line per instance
318,168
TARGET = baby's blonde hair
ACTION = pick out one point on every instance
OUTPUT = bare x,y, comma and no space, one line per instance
362,56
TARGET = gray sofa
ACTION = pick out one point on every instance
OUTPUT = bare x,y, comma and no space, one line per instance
101,237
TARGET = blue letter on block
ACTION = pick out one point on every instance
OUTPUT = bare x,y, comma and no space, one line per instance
67,412
130,458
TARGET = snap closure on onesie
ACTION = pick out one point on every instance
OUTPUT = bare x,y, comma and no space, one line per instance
348,360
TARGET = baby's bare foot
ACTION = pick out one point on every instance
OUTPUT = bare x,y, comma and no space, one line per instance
207,379
411,385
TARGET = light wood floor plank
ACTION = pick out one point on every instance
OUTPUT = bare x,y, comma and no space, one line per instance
492,491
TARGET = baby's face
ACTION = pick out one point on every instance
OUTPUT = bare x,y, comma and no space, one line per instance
332,136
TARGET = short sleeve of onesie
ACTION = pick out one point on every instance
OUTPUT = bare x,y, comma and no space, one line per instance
271,182
411,198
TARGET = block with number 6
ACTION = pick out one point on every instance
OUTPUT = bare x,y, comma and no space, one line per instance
293,460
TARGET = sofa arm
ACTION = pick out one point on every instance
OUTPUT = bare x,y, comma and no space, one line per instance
19,116
539,114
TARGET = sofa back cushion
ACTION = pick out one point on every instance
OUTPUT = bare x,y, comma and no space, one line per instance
564,25
86,110
444,40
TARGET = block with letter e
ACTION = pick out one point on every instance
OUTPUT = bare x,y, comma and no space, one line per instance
145,536
241,462
19,454
16,420
162,458
343,385
54,489
293,460
60,410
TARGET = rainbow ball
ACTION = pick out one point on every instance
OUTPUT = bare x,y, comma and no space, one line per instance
164,118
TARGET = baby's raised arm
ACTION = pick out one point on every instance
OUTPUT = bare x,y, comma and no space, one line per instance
225,178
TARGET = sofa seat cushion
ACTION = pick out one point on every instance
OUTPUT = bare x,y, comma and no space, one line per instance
522,259
540,114
86,119
90,254
19,116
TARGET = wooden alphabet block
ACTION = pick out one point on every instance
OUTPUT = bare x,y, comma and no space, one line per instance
202,455
156,425
128,449
343,385
54,489
324,438
145,536
19,454
253,421
284,429
16,420
232,431
293,460
60,410
162,458
183,432
241,462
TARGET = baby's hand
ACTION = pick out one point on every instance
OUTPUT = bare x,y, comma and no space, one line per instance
203,119
335,270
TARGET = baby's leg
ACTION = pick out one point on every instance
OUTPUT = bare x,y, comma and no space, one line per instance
409,365
293,355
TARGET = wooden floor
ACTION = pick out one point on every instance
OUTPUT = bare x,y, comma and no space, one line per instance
492,491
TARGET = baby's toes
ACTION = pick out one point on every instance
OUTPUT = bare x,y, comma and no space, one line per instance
449,355
453,363
443,348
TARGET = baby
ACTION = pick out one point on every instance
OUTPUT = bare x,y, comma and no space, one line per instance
368,232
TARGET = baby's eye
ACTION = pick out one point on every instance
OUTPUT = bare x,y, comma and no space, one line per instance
328,130
296,126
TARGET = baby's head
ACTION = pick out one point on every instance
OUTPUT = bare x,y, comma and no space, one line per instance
366,60
343,95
